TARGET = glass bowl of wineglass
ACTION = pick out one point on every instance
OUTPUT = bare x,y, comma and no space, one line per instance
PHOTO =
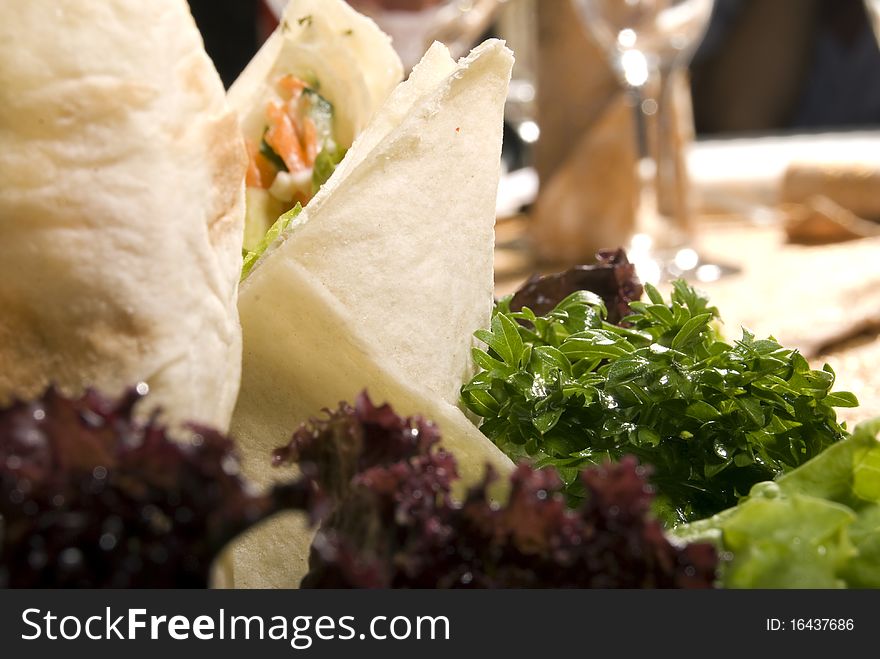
646,41
414,24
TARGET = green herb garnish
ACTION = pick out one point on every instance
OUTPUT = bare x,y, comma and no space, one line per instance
569,389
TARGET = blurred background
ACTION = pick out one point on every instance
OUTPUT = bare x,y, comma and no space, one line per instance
762,66
735,143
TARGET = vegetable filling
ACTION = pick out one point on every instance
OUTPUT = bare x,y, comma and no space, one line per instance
295,156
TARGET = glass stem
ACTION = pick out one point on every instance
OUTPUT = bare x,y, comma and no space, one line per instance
672,177
662,210
646,166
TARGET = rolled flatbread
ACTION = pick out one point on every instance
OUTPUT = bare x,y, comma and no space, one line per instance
310,90
121,206
379,284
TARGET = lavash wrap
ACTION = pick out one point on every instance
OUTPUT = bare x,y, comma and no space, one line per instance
121,207
378,285
342,53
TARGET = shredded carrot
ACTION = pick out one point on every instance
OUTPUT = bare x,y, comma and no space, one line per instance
254,177
310,141
291,108
268,171
291,86
282,137
293,138
260,172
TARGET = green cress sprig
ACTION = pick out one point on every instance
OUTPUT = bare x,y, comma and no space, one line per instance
569,389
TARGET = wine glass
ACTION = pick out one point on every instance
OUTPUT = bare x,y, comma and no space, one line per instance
517,25
647,41
414,24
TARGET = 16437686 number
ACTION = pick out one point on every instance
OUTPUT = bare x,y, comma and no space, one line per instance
822,624
810,624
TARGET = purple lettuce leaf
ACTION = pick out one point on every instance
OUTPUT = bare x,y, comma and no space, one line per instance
92,497
613,278
389,521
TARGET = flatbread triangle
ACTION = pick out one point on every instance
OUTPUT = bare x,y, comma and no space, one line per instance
401,236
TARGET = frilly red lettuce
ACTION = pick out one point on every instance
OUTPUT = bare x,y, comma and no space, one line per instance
613,278
92,497
382,490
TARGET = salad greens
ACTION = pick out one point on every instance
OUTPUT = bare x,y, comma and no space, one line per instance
252,256
815,527
569,389
381,488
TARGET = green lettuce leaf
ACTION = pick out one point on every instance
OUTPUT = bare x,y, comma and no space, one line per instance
815,527
252,256
792,542
325,164
863,571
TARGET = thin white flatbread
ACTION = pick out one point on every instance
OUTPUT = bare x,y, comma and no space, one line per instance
403,235
307,357
121,206
309,344
426,75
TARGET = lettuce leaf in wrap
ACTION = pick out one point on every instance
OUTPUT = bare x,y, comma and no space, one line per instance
252,256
